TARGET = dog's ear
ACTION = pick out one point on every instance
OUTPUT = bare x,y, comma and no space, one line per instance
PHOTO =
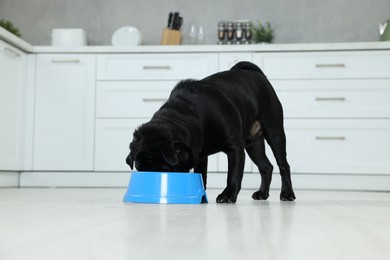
130,160
135,146
170,152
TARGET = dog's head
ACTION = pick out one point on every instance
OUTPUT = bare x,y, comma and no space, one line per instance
154,148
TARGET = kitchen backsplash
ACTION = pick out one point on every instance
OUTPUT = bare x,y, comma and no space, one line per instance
293,21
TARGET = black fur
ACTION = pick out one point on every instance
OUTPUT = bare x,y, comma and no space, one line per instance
230,111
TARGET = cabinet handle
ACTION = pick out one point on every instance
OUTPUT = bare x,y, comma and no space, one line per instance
156,67
14,53
154,100
330,65
65,60
319,99
331,138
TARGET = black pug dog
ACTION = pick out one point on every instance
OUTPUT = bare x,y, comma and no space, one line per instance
230,111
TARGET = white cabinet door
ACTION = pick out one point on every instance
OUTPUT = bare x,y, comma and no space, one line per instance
12,107
64,112
113,137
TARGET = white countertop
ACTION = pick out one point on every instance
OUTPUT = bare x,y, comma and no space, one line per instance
24,46
15,40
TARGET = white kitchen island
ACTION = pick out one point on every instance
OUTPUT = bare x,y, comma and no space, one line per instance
83,103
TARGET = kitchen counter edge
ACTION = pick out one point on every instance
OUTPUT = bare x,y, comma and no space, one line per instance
275,47
219,48
15,41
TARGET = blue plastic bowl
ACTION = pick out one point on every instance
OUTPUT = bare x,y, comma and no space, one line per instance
166,187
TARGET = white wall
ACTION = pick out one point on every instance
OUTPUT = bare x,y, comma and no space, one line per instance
294,20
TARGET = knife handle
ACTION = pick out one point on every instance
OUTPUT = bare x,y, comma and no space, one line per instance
179,23
170,20
175,20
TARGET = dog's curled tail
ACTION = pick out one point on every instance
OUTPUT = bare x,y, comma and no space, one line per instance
246,65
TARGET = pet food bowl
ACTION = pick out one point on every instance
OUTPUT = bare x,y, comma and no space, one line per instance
166,187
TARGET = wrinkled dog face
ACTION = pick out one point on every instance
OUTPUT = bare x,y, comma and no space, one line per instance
155,150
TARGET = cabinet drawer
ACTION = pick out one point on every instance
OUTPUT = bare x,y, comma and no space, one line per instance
334,98
156,66
113,137
338,146
136,99
369,64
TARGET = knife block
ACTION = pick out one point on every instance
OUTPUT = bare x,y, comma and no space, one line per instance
170,37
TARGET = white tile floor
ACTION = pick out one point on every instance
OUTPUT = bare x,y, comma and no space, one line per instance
95,224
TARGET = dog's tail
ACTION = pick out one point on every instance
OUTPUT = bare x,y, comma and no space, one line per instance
246,65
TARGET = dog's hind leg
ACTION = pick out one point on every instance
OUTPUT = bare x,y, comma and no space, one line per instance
276,138
256,151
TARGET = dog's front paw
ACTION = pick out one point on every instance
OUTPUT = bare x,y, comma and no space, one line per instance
287,195
260,195
227,196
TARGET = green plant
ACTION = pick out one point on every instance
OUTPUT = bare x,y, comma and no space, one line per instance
262,33
10,27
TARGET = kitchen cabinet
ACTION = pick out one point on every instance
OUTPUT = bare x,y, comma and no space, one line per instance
73,116
64,112
13,68
336,108
130,88
331,103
